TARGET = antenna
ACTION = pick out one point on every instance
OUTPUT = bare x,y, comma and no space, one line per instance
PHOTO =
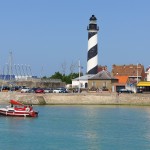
16,71
26,70
42,69
19,70
10,68
23,69
30,70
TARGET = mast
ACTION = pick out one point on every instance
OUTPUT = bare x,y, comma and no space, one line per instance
10,68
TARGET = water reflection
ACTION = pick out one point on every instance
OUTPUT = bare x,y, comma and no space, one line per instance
79,127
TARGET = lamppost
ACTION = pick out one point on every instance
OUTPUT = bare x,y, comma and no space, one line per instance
79,76
137,73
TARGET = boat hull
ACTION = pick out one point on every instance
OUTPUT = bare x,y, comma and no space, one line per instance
18,114
17,109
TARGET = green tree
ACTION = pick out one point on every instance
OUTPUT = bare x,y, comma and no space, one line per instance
65,78
57,75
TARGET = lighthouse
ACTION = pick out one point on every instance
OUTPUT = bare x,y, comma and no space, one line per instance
92,55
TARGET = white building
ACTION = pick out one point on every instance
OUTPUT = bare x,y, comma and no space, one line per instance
148,74
81,82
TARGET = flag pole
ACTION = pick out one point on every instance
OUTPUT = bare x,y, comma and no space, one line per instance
137,73
79,77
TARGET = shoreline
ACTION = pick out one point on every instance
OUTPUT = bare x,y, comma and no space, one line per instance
76,98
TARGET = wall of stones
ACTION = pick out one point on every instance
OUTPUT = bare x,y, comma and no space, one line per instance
76,98
35,83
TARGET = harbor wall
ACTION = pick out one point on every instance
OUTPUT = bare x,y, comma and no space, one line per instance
76,98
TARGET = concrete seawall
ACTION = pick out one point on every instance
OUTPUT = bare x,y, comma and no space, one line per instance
76,98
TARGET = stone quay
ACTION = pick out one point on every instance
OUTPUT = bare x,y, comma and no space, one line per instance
76,98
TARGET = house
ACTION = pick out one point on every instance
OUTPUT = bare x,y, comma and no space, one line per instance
148,74
81,82
122,81
144,86
135,73
102,80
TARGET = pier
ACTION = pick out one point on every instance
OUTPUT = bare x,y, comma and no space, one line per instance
76,98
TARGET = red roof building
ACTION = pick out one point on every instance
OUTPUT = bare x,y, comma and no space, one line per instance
128,75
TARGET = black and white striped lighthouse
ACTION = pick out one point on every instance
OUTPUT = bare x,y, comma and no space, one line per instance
92,56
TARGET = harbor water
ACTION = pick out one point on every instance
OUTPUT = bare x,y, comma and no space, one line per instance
89,127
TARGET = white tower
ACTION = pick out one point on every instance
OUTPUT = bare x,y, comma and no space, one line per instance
92,56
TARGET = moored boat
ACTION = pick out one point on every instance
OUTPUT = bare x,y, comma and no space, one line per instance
17,109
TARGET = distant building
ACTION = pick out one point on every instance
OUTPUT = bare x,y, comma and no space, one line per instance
25,78
133,73
122,82
148,74
81,82
145,85
7,77
103,80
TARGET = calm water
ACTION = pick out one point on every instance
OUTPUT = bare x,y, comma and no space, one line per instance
78,128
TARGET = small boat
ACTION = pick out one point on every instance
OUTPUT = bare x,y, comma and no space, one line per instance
17,109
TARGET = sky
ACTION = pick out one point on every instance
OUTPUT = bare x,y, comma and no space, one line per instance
52,36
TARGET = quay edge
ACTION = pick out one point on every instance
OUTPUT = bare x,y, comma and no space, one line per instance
76,98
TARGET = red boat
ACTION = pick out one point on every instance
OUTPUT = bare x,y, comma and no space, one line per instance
17,109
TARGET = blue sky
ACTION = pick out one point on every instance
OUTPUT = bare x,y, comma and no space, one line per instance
48,34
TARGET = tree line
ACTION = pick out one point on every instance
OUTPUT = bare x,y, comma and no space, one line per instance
64,78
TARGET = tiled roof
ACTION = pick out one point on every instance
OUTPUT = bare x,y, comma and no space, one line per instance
122,79
127,70
103,75
100,68
85,77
